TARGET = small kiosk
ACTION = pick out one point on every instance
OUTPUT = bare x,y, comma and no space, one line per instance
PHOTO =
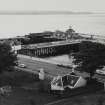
41,74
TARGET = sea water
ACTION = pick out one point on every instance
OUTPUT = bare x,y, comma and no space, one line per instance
18,25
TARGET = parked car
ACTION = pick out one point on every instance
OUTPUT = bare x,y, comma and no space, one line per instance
64,66
22,65
102,72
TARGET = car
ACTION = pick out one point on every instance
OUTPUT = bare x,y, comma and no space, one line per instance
64,66
102,72
22,65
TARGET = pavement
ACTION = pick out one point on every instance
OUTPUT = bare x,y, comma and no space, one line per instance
33,65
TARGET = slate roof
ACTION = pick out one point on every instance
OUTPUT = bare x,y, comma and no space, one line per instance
70,80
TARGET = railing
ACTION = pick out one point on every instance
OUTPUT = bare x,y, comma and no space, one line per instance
92,36
51,44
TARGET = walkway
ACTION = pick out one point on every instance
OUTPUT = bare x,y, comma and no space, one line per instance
34,64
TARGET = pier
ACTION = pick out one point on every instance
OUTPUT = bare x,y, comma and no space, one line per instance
57,47
50,49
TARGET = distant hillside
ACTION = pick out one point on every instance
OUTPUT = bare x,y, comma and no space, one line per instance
41,12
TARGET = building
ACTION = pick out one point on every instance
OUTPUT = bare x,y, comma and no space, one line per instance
70,81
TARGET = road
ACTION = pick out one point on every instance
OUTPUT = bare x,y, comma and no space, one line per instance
33,66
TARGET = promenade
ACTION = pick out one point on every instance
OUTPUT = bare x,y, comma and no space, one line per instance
52,44
34,64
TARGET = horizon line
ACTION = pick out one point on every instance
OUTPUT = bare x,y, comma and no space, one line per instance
46,12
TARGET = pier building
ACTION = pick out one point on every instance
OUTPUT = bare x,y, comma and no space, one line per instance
50,49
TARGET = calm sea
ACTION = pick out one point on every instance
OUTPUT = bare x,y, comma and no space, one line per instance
16,25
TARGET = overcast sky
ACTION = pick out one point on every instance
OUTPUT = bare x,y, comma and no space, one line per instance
59,5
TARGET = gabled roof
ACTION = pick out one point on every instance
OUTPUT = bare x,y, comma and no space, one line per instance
70,80
67,80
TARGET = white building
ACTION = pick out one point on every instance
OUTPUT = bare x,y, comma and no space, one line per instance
70,81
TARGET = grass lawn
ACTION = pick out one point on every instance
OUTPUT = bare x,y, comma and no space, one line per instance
86,99
25,91
17,78
20,96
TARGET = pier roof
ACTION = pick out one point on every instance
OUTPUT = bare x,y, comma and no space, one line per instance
50,44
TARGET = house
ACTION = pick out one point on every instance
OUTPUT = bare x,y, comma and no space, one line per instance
71,81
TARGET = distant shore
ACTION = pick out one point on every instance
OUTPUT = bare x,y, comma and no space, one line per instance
43,12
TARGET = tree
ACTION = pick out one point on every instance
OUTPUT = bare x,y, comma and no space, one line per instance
90,57
8,58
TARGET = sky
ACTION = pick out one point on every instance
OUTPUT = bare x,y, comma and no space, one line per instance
58,5
18,25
